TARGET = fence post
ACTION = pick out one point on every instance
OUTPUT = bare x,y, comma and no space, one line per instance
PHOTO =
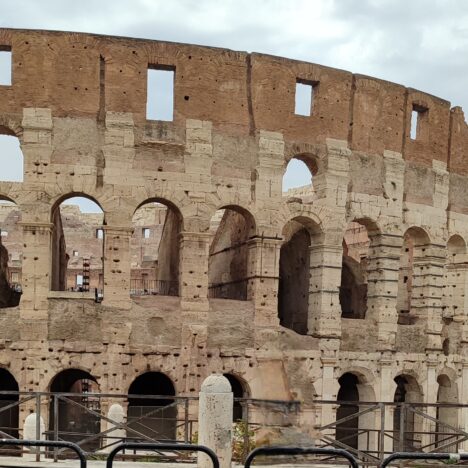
215,420
38,425
56,423
186,421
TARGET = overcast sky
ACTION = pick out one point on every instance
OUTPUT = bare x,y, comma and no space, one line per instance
418,43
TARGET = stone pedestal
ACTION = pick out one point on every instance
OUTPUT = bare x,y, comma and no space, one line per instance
215,420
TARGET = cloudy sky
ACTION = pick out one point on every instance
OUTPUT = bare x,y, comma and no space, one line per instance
417,43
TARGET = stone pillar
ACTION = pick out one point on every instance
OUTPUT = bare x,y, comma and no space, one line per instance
117,264
382,286
324,318
193,270
36,269
426,294
263,274
215,420
431,397
117,414
387,393
329,390
30,429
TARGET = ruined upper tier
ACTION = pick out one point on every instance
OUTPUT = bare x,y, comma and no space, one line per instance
87,75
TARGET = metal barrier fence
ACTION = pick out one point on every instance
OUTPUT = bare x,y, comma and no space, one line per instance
98,422
371,431
150,287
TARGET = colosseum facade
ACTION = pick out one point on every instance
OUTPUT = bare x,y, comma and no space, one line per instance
353,286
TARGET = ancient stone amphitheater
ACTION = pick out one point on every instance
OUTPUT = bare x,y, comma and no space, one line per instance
352,290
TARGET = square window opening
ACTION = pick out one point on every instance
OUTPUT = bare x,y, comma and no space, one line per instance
160,93
417,115
304,97
75,253
5,66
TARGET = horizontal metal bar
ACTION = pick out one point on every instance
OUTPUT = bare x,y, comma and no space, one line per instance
453,457
279,450
162,446
47,443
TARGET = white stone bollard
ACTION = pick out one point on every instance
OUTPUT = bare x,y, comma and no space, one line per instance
117,414
29,429
215,420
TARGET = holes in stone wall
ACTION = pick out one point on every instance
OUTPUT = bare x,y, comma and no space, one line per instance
77,247
160,93
11,254
154,250
5,66
11,158
304,97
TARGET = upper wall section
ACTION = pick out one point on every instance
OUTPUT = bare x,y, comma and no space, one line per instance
84,75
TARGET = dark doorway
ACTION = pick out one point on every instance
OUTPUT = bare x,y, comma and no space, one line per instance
238,392
293,290
347,431
152,415
74,417
9,420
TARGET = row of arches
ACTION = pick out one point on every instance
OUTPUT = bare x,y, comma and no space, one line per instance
77,258
73,413
78,240
354,390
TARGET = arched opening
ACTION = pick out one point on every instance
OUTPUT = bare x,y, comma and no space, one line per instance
297,178
293,288
411,279
355,427
239,391
354,271
455,278
11,157
9,418
297,271
74,419
155,250
407,391
11,254
151,411
228,265
78,246
447,394
347,431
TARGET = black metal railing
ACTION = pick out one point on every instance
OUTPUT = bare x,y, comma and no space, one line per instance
150,287
236,290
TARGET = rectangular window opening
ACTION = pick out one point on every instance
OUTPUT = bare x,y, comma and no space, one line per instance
99,234
79,280
304,97
146,233
5,66
417,114
160,93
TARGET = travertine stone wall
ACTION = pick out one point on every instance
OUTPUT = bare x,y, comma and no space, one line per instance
77,104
